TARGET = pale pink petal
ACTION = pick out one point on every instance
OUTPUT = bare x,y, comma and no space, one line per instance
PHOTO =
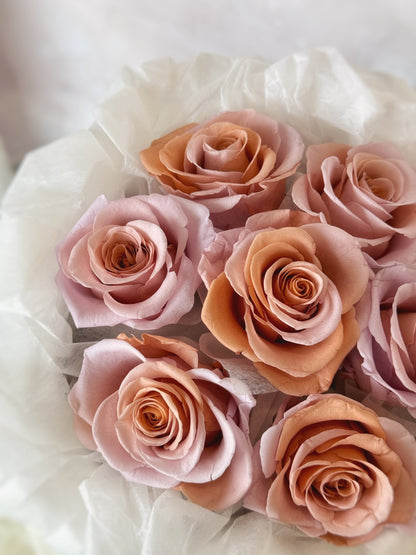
105,366
231,486
268,446
402,442
147,308
213,258
256,497
83,226
123,211
84,432
176,212
86,309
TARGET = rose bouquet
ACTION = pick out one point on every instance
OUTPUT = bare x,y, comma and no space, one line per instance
216,299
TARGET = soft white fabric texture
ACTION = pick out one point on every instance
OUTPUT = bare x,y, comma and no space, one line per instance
48,481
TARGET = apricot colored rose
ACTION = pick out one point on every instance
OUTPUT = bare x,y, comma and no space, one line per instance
134,261
285,298
384,361
162,419
236,164
336,470
368,191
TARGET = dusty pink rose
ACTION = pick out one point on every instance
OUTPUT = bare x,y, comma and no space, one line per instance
281,291
384,361
336,470
161,419
369,191
134,261
236,164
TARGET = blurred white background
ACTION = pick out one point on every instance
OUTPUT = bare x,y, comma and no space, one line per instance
59,57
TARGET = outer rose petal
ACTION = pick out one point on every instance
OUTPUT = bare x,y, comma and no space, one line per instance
385,357
256,497
402,442
321,380
86,309
97,380
157,346
218,315
232,485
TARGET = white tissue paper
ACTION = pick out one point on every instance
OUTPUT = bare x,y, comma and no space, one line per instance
50,485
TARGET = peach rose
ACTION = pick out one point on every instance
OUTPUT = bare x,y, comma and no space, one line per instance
384,361
163,420
134,261
236,164
369,191
336,470
285,297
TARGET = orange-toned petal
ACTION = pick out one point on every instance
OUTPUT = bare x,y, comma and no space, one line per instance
219,315
315,383
326,408
261,166
150,156
294,237
295,359
321,379
156,346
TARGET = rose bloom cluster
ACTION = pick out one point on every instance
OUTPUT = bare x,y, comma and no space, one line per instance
296,297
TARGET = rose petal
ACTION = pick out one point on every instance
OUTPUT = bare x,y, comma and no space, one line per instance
97,381
105,435
232,485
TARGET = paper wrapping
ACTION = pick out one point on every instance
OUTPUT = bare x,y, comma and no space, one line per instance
51,485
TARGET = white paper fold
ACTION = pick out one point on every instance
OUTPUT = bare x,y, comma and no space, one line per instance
48,482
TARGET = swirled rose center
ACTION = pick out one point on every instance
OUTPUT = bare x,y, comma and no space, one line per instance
338,486
161,417
296,287
221,147
123,251
221,143
381,177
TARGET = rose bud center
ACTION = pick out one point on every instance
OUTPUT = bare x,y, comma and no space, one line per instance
123,251
160,418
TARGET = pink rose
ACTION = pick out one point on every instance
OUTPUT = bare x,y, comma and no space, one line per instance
369,191
282,293
134,261
236,164
163,420
336,470
384,361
